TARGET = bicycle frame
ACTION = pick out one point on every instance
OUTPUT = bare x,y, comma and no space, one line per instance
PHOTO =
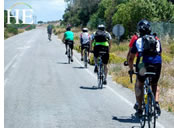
100,73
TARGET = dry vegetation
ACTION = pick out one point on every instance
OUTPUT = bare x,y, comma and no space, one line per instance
120,73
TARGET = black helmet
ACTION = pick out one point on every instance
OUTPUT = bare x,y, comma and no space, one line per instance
85,29
144,27
68,28
101,27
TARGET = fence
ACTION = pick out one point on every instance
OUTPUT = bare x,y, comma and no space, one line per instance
163,29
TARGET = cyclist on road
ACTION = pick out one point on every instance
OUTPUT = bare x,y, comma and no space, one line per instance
85,41
49,31
69,38
149,54
102,42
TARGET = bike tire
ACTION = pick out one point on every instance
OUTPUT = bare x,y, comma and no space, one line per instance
143,118
85,59
69,55
100,77
151,111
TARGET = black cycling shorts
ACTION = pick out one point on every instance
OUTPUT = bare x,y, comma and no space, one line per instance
83,46
70,42
105,57
156,68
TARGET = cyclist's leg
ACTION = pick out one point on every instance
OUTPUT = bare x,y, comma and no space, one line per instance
66,46
72,46
96,53
105,60
139,90
155,87
82,48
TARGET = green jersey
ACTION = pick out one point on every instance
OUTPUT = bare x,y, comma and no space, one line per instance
69,35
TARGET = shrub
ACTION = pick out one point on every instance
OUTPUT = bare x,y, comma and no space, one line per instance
12,29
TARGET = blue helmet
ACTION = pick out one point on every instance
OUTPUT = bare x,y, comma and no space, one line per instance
143,27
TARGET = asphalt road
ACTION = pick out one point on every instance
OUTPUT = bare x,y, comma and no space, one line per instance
43,91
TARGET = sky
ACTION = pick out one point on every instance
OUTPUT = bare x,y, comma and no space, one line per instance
44,10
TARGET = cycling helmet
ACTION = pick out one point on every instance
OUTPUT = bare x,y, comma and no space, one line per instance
68,28
101,27
144,27
85,29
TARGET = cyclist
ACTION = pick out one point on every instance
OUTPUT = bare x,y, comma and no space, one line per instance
102,42
85,41
69,38
49,31
133,39
149,49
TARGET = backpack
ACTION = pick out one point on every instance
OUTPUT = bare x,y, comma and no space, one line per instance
149,45
100,36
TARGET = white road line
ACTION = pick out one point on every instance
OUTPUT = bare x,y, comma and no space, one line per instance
108,87
10,63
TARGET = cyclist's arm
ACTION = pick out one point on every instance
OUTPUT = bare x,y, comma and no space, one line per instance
131,60
91,44
131,56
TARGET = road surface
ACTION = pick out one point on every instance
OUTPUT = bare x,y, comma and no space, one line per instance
43,91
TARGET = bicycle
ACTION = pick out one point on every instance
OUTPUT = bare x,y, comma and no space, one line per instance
148,105
100,73
86,47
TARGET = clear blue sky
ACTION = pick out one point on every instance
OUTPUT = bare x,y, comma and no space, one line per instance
45,10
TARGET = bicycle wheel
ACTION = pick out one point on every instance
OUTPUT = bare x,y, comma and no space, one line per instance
85,58
143,117
151,111
69,55
101,77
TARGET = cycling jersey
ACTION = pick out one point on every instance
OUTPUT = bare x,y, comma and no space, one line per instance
138,47
84,38
69,35
108,36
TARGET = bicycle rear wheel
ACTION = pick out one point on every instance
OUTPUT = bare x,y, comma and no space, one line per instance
151,111
143,117
69,55
100,78
85,58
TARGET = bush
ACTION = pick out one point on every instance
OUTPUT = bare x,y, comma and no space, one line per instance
12,29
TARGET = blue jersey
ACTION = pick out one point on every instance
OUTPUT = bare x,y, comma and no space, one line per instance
138,47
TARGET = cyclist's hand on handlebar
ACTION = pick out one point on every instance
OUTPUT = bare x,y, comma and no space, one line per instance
131,72
126,63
